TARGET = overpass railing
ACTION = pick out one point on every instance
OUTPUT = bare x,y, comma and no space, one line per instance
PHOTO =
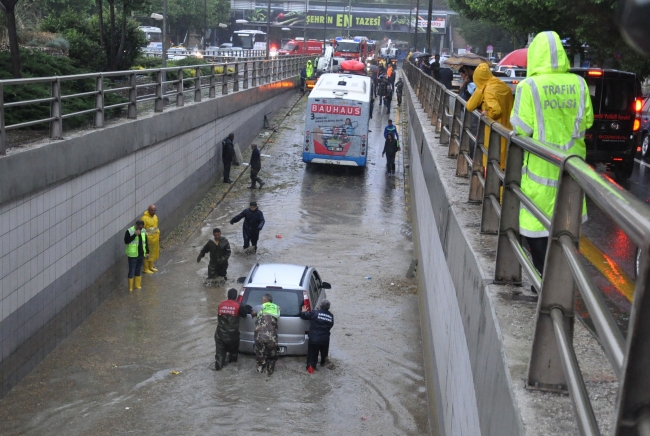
132,90
553,365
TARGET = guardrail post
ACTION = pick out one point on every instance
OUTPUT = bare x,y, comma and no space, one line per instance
456,126
633,391
490,216
245,75
133,97
508,268
224,80
462,165
235,85
99,102
213,82
254,74
197,85
475,185
545,370
56,125
180,97
441,118
159,103
3,133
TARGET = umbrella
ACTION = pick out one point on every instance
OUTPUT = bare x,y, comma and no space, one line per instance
373,67
419,54
470,59
352,65
516,58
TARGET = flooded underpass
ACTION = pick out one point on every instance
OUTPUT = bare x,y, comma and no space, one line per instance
143,362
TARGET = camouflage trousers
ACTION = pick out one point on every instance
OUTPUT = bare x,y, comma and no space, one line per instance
266,353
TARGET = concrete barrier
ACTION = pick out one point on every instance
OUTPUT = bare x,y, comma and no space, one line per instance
64,208
477,335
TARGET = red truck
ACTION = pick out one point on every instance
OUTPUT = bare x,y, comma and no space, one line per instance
298,46
357,49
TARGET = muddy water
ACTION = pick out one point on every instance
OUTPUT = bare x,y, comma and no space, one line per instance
113,375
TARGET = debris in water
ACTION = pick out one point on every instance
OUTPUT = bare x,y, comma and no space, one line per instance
265,155
392,284
126,408
368,277
174,372
278,236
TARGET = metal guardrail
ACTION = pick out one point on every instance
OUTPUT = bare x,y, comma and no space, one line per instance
553,365
251,73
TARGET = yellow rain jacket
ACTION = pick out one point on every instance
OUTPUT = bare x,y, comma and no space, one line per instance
153,235
552,106
495,98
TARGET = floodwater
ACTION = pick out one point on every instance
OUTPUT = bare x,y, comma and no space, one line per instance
113,375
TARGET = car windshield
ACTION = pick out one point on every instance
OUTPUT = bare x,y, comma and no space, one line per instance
348,47
288,46
520,73
290,301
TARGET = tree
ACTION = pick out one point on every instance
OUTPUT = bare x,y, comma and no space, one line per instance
186,15
480,34
123,8
590,22
88,48
9,8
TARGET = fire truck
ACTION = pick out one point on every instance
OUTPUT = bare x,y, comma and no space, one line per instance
358,48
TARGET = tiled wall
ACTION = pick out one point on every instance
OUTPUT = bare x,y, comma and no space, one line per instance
56,242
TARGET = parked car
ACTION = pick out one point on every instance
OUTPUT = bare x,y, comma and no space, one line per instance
617,101
644,131
516,72
291,286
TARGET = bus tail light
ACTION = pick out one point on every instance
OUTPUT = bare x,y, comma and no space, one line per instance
637,125
363,141
305,300
638,105
595,73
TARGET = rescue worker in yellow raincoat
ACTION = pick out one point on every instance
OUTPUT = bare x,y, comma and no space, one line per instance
495,99
552,106
153,239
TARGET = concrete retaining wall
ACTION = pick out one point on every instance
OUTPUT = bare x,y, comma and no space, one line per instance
64,208
470,389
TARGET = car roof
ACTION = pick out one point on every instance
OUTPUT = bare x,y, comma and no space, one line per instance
277,274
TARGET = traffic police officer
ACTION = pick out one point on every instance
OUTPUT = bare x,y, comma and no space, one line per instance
552,106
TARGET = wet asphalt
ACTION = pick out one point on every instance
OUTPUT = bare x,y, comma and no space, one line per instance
113,375
616,276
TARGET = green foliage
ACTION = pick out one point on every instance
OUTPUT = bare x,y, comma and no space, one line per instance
582,21
83,35
184,15
83,7
38,64
479,34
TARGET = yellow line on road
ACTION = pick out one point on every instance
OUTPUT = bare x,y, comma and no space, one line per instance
607,267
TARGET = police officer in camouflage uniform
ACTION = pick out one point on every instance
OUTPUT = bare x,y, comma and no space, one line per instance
226,337
266,334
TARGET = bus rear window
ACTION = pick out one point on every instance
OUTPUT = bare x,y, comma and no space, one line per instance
290,301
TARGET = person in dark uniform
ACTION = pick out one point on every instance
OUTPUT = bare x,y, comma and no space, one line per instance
321,322
227,155
226,337
399,87
219,249
391,147
256,165
253,223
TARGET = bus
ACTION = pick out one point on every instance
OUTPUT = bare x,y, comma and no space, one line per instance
249,39
153,34
336,124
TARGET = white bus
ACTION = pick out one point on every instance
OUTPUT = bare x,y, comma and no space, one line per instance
336,125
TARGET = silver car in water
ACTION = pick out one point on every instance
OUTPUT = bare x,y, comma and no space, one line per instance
291,286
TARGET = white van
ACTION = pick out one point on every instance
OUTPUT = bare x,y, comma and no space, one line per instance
336,125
